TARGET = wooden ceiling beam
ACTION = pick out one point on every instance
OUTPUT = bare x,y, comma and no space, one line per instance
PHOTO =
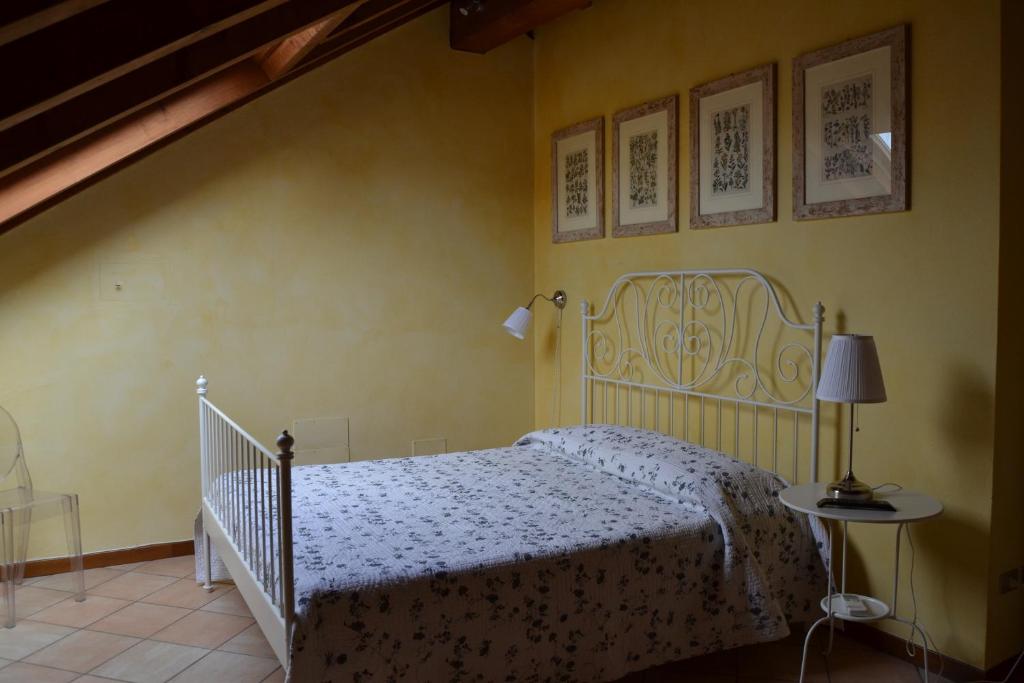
371,20
482,25
375,30
21,17
63,173
281,59
31,139
369,11
95,47
35,186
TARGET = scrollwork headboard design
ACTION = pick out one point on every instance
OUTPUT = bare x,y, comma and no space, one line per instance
708,356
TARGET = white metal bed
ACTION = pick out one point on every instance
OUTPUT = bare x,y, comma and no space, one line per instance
682,352
696,354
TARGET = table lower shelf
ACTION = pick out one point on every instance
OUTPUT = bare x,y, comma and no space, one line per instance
875,608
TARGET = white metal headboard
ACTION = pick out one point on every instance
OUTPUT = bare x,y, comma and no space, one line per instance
688,352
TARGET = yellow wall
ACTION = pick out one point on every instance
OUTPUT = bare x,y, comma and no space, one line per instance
1006,619
924,282
345,246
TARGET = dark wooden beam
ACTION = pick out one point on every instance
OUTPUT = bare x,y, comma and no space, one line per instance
62,174
31,139
20,17
371,20
95,47
368,12
482,25
281,59
33,186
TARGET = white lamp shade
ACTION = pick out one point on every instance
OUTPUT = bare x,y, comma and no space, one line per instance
518,322
851,373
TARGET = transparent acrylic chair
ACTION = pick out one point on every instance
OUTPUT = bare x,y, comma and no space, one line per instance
18,502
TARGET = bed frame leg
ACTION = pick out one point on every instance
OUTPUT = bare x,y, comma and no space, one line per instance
207,562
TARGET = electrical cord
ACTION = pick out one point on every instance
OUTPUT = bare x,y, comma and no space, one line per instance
929,642
556,390
910,648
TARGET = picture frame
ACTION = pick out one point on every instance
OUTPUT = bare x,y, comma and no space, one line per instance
577,182
732,149
850,127
645,157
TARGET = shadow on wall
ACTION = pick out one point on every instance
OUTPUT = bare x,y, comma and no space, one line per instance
951,542
126,199
954,541
554,350
967,417
956,544
832,415
790,306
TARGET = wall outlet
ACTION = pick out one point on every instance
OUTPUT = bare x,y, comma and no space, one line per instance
432,446
1011,580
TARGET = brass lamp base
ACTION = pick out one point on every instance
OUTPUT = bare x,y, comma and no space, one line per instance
849,488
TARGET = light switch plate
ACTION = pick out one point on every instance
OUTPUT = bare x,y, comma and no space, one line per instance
1010,580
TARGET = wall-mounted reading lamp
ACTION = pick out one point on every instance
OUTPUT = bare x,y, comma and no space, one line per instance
519,321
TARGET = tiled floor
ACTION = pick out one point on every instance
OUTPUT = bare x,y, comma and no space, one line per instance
142,623
151,623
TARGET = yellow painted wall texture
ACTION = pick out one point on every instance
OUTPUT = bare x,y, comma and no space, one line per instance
924,282
345,246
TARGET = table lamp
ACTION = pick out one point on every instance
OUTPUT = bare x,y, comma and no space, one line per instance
851,375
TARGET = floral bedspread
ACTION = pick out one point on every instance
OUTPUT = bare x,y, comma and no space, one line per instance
578,554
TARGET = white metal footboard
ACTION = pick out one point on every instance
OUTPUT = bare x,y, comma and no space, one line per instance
247,516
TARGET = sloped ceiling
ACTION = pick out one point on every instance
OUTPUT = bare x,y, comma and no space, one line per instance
91,85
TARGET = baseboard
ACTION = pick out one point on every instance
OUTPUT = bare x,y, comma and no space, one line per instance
109,558
953,669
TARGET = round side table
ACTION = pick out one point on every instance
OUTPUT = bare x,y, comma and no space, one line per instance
910,507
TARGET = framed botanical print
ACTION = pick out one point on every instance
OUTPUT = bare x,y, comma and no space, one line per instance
850,136
644,159
577,182
732,150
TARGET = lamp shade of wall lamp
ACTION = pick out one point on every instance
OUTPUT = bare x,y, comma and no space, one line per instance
519,322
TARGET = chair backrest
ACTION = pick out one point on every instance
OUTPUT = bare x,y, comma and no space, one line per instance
13,470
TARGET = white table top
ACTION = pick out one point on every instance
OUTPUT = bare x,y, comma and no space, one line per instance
910,506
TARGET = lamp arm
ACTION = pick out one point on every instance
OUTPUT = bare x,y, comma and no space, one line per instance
558,299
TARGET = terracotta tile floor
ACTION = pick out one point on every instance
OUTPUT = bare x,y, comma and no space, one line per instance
151,623
141,623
